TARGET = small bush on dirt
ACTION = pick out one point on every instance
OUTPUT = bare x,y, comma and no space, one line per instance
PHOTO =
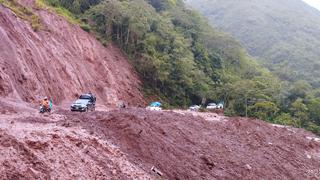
313,128
66,14
35,23
86,27
202,109
39,4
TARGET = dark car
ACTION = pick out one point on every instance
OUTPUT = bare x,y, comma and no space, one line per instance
86,102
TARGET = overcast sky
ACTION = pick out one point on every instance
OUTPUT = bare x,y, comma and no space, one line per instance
314,3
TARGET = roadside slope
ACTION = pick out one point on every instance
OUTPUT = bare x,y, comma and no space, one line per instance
61,61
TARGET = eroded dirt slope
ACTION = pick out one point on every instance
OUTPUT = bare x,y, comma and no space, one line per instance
183,146
61,61
126,144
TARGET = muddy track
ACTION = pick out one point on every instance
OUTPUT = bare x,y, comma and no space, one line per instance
188,147
41,148
126,144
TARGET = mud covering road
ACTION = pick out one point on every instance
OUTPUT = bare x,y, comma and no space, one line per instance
126,144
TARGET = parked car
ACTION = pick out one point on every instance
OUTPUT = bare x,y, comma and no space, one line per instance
212,106
194,108
86,102
220,106
154,106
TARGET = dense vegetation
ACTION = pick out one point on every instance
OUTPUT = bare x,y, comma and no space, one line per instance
284,35
177,54
183,60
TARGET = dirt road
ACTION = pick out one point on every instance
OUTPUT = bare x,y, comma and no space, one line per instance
126,144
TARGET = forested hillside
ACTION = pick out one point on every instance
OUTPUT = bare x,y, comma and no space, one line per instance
178,55
181,59
283,34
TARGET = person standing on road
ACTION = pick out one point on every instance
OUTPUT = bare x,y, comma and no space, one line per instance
45,103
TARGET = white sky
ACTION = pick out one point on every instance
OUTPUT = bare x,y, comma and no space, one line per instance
313,3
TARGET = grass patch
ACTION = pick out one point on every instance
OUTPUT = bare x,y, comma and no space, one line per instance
40,4
67,15
63,12
85,27
23,13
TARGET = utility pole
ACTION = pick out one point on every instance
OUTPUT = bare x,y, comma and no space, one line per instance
203,101
246,106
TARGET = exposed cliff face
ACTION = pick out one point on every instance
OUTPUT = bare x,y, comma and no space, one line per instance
61,61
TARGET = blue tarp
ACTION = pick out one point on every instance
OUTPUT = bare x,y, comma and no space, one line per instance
155,104
51,105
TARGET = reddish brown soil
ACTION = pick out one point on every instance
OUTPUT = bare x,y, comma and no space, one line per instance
188,147
61,61
125,144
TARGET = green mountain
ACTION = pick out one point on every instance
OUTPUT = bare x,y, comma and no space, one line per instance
283,34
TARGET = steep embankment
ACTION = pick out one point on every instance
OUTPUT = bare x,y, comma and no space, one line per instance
61,61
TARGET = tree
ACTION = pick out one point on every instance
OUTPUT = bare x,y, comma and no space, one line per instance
265,110
300,112
285,119
314,110
299,90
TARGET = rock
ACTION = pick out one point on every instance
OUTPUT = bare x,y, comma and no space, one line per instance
309,156
248,167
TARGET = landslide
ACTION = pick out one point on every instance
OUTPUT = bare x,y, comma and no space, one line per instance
183,146
61,61
126,144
